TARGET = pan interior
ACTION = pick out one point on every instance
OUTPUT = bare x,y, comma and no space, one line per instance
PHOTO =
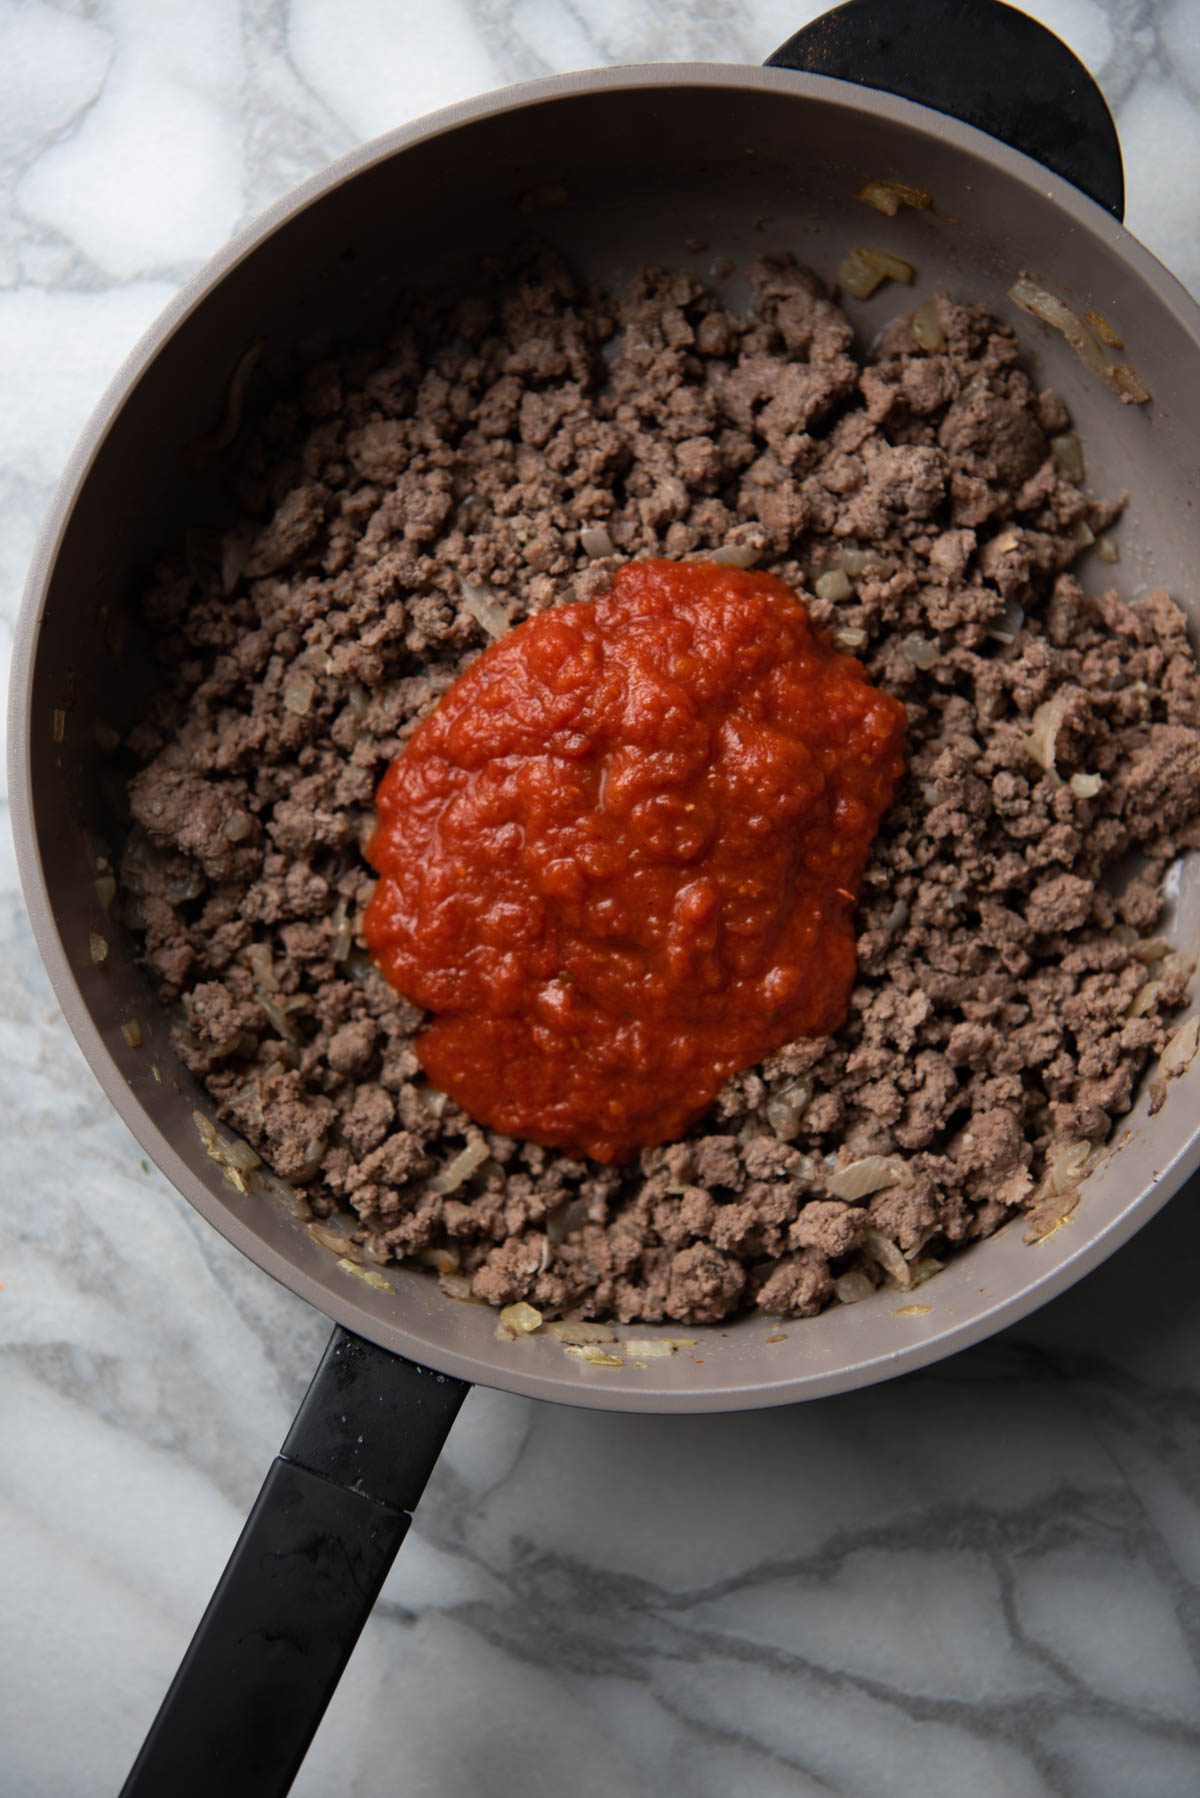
679,167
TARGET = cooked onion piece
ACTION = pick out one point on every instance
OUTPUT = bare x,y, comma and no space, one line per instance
871,1173
1058,315
889,196
862,271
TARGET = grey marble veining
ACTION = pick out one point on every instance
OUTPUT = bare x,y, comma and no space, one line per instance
982,1579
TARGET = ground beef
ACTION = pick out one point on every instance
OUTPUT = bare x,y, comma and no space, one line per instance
1008,997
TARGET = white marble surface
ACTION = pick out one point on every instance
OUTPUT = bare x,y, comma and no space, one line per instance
984,1579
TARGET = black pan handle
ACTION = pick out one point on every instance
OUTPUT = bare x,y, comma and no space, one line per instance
982,62
301,1582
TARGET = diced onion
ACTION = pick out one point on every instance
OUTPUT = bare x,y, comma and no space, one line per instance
1009,623
923,1267
852,638
863,270
927,327
1067,1169
1067,452
858,561
481,603
1044,729
897,918
894,268
234,1157
566,1216
458,1286
522,1318
257,957
1086,786
889,196
871,1173
833,585
1144,1000
1050,1213
882,1249
736,555
854,1286
594,541
859,279
459,1168
648,1348
785,1109
276,1014
1128,384
343,933
1055,312
921,652
1108,549
1180,1051
97,946
131,1030
298,694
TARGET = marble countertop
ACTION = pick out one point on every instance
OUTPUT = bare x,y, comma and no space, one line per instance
982,1578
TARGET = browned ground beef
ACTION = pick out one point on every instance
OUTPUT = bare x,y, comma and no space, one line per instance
397,494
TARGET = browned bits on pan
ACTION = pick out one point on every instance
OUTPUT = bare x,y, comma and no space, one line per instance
1101,328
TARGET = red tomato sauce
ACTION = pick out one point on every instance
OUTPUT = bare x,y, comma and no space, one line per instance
620,860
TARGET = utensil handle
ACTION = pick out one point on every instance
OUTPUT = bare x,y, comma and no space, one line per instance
279,1629
979,61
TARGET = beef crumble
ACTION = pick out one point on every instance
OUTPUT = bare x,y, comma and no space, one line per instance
402,506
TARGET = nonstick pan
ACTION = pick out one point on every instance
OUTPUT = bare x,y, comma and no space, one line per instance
966,99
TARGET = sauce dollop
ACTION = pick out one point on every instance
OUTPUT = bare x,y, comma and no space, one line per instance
619,861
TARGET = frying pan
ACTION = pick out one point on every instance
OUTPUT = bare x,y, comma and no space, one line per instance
967,99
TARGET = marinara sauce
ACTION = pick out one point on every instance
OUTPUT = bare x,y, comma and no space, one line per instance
621,858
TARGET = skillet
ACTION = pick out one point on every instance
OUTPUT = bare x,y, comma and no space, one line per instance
1010,134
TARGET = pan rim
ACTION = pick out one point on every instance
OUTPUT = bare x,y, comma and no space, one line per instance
565,1386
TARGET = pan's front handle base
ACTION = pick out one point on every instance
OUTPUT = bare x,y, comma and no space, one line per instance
271,1647
979,61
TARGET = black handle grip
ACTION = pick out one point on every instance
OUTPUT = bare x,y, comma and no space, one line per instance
979,61
280,1627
